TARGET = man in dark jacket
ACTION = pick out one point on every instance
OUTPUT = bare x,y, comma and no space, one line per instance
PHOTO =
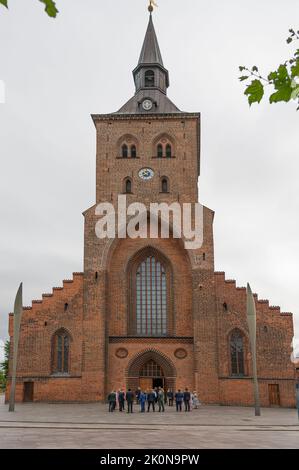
151,398
112,401
161,399
179,396
187,398
170,397
121,400
130,400
137,394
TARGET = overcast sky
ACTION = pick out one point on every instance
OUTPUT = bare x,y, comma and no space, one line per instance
58,72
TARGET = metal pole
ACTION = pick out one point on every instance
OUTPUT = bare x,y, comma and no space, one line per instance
297,396
251,320
18,308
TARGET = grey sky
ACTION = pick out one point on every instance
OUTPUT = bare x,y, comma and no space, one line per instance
58,72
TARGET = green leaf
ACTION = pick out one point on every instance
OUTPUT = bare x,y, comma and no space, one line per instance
50,8
295,70
283,93
4,2
255,92
282,72
241,68
272,76
255,69
244,77
289,40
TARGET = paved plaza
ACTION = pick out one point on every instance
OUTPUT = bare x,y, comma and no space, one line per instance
90,426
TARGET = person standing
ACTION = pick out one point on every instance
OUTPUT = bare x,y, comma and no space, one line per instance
130,400
137,394
187,398
112,401
195,400
142,400
161,399
121,400
179,396
170,397
151,397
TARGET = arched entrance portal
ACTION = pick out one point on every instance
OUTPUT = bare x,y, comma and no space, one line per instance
151,369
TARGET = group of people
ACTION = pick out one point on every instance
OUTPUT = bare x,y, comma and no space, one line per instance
151,399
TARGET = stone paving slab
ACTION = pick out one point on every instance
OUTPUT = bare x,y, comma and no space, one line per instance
87,426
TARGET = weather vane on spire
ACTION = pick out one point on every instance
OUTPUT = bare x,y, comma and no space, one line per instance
151,6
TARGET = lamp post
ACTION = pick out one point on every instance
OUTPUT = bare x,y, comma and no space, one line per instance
251,320
18,308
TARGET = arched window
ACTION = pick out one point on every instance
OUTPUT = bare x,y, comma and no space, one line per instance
160,151
151,369
151,299
133,151
149,78
125,151
164,185
168,151
128,186
237,353
60,352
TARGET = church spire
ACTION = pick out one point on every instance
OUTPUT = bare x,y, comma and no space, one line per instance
150,71
150,52
151,78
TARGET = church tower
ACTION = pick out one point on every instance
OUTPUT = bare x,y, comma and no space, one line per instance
147,289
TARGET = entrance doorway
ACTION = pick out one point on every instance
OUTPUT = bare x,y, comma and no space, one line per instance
159,382
274,395
151,369
28,392
151,375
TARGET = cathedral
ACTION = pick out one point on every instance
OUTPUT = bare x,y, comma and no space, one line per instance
148,312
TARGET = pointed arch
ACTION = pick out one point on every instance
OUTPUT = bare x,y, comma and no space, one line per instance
127,146
164,146
164,184
127,185
237,352
60,351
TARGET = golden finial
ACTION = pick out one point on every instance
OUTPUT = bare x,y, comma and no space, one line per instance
151,6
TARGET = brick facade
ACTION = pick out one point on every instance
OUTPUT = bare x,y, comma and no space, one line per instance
94,308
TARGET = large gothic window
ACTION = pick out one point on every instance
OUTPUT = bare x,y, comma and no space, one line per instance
150,296
60,352
237,353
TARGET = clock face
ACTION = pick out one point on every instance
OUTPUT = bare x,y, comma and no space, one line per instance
147,105
146,174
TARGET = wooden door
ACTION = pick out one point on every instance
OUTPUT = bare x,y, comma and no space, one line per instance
145,383
274,396
28,391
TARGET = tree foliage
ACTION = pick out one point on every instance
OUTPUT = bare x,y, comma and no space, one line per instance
283,82
50,7
4,366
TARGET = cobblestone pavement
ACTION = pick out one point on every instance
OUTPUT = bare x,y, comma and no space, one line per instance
87,426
